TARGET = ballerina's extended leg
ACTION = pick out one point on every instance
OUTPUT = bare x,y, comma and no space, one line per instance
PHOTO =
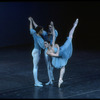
73,29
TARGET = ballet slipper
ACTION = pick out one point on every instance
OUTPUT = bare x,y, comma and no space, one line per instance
37,84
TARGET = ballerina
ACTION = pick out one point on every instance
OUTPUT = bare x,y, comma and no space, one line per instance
61,55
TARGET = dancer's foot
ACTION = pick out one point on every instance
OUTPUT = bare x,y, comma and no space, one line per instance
59,83
50,82
76,22
37,84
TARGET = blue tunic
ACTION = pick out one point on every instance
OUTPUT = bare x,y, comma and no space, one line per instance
38,41
65,52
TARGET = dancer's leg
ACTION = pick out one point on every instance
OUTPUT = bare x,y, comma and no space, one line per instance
51,68
36,58
68,41
50,74
62,71
47,60
66,44
73,29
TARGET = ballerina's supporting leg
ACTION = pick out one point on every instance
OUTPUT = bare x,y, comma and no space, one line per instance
62,71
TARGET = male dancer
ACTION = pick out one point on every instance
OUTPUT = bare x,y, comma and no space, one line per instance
38,45
48,58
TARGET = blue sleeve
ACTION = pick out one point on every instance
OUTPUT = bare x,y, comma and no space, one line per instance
32,32
41,43
45,35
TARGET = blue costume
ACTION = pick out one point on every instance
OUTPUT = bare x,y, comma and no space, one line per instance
38,41
65,52
38,45
48,59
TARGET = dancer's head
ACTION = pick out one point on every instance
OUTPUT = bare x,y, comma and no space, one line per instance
47,44
39,30
50,29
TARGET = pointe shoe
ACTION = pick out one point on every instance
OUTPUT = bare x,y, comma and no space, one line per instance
37,84
50,82
76,22
59,83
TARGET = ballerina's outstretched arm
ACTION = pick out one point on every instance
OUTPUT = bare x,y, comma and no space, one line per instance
53,33
51,53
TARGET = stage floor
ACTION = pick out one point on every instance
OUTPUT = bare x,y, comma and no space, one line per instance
81,80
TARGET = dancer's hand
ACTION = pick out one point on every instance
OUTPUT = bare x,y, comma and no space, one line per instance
46,44
51,23
30,18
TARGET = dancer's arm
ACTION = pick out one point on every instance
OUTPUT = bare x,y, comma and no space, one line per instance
30,26
53,33
54,54
41,43
32,31
56,32
32,21
44,32
53,44
35,25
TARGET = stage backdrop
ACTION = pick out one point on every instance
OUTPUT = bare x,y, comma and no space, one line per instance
14,24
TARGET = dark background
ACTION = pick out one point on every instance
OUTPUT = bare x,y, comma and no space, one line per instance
14,24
